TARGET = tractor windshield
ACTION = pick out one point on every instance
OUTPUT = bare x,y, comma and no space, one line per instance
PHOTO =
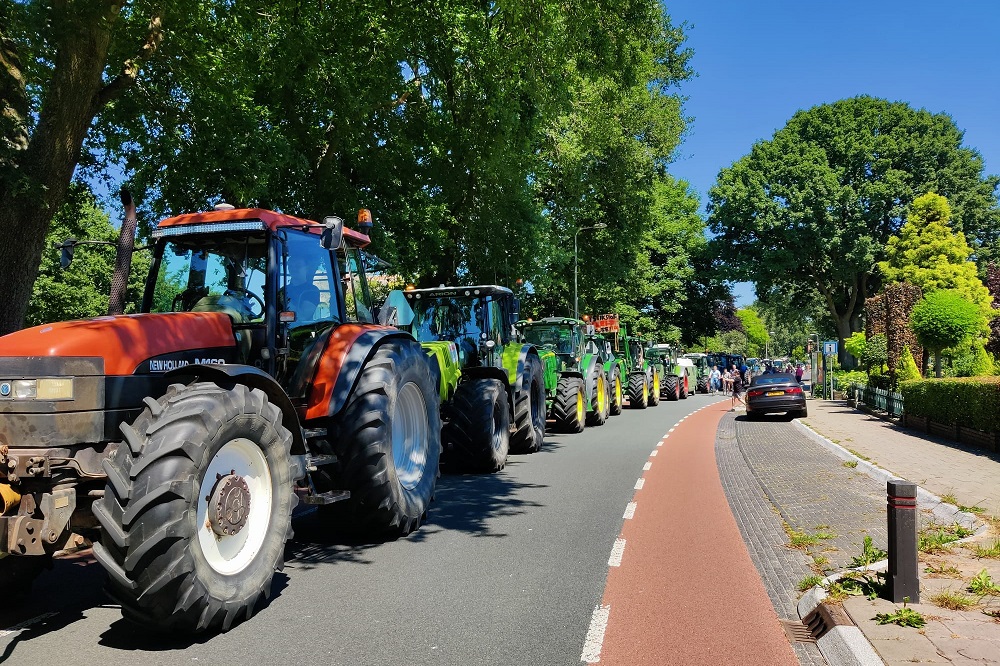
560,339
453,319
635,348
212,272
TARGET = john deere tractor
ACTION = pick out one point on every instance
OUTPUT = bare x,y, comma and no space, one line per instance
492,386
643,377
616,369
579,395
179,440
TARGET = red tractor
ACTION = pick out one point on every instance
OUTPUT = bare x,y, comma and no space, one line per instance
178,441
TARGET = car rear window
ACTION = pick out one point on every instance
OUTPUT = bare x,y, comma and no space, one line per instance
774,379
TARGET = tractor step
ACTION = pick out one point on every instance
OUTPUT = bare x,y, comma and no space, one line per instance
329,497
315,462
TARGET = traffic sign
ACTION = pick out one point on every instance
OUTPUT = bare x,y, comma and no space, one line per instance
829,348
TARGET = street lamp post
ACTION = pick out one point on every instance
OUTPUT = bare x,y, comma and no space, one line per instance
576,267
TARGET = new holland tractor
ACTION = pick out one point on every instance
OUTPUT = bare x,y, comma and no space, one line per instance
492,386
179,440
643,378
578,395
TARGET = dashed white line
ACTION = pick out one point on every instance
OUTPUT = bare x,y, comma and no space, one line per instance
659,444
671,430
639,484
647,466
629,511
653,453
595,635
617,551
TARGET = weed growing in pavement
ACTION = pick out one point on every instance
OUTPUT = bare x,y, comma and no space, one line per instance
809,582
868,584
851,463
995,614
859,455
948,498
936,538
869,554
821,560
802,540
952,600
977,510
904,617
991,552
982,584
944,571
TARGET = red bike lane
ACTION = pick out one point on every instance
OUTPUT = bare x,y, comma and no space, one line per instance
681,586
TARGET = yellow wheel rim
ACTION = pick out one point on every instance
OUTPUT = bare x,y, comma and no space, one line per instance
645,391
656,384
618,390
602,398
579,407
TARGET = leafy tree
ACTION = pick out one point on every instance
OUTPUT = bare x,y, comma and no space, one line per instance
973,361
855,345
756,332
942,319
928,254
875,353
810,211
907,367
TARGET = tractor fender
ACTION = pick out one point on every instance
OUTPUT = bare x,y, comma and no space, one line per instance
586,366
514,360
252,377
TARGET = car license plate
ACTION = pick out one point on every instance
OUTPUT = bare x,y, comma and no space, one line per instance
770,393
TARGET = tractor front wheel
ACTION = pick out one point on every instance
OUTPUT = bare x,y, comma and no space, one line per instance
529,409
670,386
703,385
638,390
617,393
570,408
598,414
197,508
655,387
477,438
683,387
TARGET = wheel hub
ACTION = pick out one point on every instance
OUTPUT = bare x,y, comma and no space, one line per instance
229,504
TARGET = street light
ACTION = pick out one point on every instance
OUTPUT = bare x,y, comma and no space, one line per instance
576,267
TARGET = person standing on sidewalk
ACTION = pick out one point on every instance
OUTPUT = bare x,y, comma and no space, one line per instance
715,379
738,384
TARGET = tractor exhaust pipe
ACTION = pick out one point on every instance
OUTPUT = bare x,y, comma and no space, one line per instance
123,256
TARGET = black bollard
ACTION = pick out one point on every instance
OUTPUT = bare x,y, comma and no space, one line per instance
904,584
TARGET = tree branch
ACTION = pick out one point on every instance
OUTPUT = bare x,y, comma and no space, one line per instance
130,70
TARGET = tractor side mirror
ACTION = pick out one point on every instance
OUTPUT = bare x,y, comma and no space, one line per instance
388,315
333,232
67,247
515,310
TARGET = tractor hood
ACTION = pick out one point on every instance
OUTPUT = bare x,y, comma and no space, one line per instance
127,342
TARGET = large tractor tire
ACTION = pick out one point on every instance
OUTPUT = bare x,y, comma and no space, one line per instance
598,414
617,391
655,387
388,441
570,407
477,438
529,409
197,508
671,387
638,390
704,385
683,387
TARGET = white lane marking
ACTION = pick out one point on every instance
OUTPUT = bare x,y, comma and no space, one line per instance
653,453
647,466
629,511
617,551
595,635
671,430
639,484
24,625
659,444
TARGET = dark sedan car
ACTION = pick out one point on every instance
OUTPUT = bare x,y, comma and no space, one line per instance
776,392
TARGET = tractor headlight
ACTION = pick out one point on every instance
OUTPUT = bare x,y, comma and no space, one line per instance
38,389
25,389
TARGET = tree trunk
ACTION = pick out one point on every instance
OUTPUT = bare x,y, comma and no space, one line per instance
46,165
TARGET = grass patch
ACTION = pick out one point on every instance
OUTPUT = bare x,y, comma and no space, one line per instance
983,585
952,600
869,554
809,582
991,552
851,463
943,571
803,540
948,498
937,538
859,455
904,617
821,560
977,510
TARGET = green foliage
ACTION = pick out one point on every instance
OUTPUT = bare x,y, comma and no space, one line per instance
945,318
907,369
855,345
869,554
876,353
971,401
938,538
982,584
973,361
809,582
809,212
81,290
754,329
928,254
904,617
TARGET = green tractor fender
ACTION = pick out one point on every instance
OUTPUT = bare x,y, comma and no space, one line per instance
515,357
445,355
587,363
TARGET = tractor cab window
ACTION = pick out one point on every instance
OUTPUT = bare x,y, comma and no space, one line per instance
457,319
560,339
306,279
635,348
212,273
357,297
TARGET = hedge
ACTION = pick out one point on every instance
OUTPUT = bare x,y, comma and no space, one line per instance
973,402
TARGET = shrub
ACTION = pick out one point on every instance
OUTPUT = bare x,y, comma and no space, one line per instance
975,362
971,401
907,367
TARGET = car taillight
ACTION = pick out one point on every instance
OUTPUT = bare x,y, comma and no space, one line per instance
794,389
755,394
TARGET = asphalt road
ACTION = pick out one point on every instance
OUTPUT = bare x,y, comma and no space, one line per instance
508,570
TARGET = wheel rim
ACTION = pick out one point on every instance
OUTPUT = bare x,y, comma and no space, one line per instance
602,398
656,384
409,436
618,390
231,553
580,409
497,428
645,391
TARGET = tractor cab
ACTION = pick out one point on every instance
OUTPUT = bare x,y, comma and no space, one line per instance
560,335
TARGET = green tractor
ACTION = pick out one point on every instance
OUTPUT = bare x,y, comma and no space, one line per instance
678,372
643,377
616,369
492,386
576,384
703,369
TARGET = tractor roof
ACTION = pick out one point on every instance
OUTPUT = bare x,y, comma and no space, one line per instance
550,321
474,290
267,218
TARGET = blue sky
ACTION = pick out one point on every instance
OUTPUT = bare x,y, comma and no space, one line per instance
759,61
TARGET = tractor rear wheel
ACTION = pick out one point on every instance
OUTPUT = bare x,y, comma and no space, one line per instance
638,390
477,437
655,386
388,441
682,386
671,388
598,414
529,409
197,508
703,385
617,392
570,408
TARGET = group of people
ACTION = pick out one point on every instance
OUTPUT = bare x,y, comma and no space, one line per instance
731,381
